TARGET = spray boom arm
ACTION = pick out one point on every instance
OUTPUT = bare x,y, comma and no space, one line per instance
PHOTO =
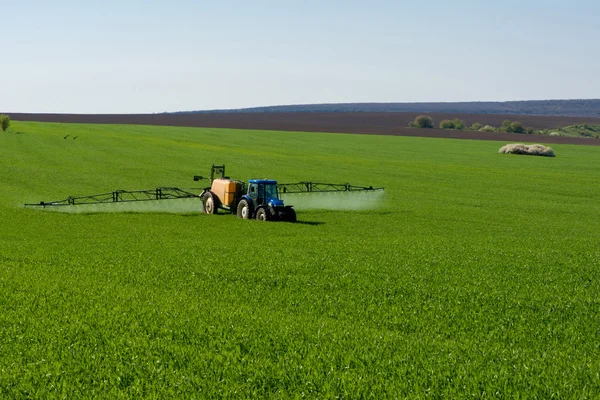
120,196
310,187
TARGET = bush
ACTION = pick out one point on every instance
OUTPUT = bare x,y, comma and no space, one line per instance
512,126
452,124
447,124
423,121
517,127
4,122
487,128
529,131
531,149
459,124
476,126
505,127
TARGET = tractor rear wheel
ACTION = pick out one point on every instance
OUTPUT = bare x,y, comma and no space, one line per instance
208,200
263,214
243,209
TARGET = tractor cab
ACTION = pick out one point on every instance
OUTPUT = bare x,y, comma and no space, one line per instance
264,191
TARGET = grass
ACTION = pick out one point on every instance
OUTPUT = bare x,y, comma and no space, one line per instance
460,284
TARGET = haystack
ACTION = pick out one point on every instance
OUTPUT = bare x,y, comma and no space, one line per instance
528,149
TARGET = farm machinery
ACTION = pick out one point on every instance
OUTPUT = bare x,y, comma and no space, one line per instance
258,199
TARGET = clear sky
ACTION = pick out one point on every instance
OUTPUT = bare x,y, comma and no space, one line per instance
134,56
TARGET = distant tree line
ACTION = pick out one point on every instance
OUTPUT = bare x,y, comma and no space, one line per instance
426,122
582,108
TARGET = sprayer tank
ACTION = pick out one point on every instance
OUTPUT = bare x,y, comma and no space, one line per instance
225,190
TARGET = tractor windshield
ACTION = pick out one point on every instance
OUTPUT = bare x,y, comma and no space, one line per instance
271,191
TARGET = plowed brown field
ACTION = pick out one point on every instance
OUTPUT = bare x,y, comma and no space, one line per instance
360,123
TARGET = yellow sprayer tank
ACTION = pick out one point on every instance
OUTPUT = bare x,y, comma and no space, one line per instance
224,189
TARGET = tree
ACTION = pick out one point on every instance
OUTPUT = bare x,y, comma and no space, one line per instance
4,122
447,124
423,121
476,126
452,124
517,127
505,127
459,124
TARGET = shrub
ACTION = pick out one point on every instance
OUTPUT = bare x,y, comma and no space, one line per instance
452,124
511,126
531,149
529,131
505,127
476,126
487,128
447,124
4,122
459,124
424,121
517,127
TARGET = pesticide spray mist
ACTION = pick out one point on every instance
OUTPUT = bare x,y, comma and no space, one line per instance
174,206
351,201
342,201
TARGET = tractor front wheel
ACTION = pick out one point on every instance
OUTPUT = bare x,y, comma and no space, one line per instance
263,214
209,203
243,210
291,214
287,214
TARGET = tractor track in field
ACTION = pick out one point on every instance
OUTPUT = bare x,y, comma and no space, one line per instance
336,122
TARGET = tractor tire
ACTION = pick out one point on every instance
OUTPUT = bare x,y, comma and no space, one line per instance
209,203
290,214
263,214
244,211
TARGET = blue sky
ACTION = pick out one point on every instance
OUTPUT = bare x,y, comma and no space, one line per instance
153,56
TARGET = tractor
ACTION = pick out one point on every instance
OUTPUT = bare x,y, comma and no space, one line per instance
258,199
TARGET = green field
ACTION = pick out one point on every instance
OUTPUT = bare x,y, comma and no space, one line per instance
476,276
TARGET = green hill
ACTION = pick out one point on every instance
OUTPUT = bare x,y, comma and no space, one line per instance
572,107
583,130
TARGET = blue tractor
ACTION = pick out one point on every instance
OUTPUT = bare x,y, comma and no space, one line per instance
258,199
263,203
